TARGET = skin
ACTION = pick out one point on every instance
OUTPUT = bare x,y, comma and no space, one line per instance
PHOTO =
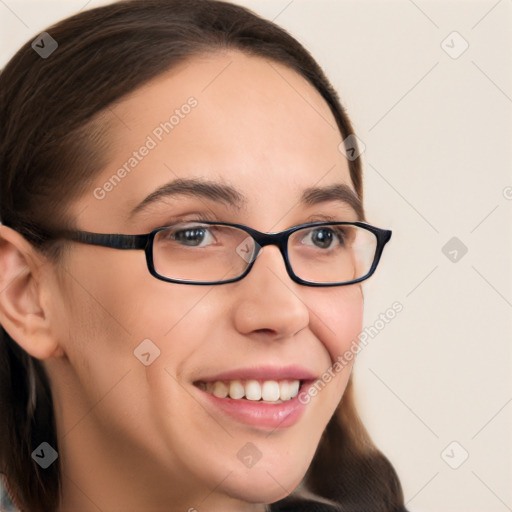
135,437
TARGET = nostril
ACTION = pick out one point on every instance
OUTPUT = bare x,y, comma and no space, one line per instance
265,331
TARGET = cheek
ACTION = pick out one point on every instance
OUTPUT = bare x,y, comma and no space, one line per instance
101,305
337,318
131,401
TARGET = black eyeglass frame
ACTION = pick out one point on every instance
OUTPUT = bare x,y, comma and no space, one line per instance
145,242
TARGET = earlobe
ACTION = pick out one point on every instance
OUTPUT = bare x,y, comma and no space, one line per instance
22,312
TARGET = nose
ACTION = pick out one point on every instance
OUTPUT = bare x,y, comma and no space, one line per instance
268,300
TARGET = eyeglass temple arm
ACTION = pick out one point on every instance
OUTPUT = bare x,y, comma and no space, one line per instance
116,241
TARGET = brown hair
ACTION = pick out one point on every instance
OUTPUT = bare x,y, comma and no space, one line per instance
53,139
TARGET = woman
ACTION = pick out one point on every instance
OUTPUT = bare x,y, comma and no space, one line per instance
160,351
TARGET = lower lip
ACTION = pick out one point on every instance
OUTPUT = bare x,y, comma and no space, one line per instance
260,414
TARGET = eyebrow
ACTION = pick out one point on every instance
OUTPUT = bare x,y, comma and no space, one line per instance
232,197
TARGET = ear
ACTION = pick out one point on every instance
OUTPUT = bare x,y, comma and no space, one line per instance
24,289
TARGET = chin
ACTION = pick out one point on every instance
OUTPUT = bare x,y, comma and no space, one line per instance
262,486
268,480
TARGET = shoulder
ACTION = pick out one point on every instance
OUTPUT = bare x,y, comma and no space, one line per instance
301,505
6,504
306,505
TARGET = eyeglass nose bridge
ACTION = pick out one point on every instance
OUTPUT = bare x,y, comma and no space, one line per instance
261,240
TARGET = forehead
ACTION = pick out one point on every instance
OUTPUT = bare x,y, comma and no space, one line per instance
243,120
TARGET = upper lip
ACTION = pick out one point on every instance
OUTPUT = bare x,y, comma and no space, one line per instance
262,373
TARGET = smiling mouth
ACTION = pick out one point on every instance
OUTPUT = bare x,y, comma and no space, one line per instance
265,391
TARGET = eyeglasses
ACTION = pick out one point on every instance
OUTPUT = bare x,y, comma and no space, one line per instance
205,253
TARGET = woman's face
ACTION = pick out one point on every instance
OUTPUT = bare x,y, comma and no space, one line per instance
262,129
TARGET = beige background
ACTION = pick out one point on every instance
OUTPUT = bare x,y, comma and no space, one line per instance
438,135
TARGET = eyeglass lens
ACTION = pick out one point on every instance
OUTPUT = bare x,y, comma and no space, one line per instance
211,252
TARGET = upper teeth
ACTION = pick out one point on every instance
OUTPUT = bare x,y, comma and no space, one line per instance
267,390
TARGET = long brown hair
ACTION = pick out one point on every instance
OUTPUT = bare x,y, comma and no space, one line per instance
53,140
